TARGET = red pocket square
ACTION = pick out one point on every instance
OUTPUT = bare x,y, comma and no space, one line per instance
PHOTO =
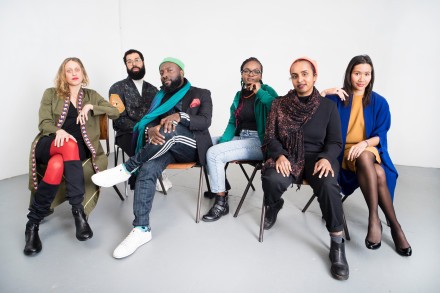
195,103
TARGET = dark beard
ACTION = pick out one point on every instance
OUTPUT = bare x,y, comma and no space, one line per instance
136,75
174,85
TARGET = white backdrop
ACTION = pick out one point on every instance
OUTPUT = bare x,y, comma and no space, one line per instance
213,38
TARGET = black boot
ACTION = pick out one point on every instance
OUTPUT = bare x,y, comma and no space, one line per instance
219,209
83,230
272,213
74,175
33,242
41,201
339,268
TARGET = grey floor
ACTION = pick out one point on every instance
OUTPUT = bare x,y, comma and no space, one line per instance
224,256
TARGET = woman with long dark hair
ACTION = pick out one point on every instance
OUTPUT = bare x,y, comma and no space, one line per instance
365,161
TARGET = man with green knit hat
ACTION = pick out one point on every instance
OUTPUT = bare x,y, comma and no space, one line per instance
175,129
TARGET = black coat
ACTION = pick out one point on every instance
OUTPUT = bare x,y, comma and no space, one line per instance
197,104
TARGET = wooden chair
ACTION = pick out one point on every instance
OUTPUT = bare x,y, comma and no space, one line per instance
186,166
104,135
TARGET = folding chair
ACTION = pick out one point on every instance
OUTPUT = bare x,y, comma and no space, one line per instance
186,166
257,166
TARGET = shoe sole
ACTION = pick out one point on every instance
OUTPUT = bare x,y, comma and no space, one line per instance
213,220
31,253
339,277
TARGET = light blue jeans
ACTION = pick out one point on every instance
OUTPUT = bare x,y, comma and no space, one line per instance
247,146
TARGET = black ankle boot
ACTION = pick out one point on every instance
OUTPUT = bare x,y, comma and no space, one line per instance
219,209
272,213
339,268
83,230
33,242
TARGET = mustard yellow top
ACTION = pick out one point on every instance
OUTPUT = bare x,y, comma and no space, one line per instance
356,133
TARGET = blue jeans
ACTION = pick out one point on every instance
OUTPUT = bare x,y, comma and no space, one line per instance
151,160
247,146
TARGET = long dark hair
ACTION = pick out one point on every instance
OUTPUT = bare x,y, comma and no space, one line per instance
348,86
249,60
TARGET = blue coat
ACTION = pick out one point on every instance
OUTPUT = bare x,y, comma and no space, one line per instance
377,123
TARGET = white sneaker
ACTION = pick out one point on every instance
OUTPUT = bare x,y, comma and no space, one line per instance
133,241
166,183
111,176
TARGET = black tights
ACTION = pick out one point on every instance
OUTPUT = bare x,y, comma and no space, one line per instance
373,184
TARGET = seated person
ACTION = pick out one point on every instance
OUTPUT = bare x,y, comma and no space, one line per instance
366,119
303,141
69,134
132,96
243,135
177,131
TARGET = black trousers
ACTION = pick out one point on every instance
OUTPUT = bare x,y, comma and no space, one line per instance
124,141
325,188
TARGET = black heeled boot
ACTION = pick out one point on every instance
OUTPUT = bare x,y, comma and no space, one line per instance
33,242
83,230
272,213
339,268
219,209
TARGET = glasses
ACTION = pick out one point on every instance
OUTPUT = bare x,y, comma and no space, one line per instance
130,62
248,72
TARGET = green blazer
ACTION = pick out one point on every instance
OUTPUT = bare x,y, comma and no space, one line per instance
50,110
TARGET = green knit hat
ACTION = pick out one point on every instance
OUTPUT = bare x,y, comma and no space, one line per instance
173,60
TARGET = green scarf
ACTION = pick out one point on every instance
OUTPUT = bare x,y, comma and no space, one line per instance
155,111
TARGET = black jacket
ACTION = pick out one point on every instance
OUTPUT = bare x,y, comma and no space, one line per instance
197,104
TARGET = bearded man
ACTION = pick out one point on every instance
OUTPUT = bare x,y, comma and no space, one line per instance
174,130
132,96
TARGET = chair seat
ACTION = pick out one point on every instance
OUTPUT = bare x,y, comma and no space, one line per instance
181,166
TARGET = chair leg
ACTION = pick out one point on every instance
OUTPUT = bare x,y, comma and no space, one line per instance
161,185
118,192
347,234
207,179
246,190
263,214
246,175
308,203
125,183
199,197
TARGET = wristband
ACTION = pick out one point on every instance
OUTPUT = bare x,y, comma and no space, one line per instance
367,143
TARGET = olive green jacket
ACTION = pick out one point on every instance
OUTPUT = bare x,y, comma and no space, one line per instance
50,111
